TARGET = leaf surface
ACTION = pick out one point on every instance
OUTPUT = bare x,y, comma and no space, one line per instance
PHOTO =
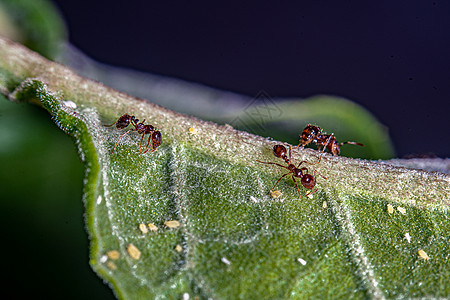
231,238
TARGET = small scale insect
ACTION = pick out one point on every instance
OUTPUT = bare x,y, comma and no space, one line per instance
313,134
306,179
154,135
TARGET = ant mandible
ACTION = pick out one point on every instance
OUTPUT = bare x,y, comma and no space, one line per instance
141,128
306,179
313,134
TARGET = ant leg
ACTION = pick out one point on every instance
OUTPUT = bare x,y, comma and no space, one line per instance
328,141
156,149
109,125
120,138
148,143
303,161
279,181
311,192
271,163
325,146
296,185
290,154
140,144
315,171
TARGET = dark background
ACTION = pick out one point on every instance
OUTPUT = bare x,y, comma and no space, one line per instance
392,57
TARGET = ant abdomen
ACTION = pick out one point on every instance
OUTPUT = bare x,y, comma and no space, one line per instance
156,141
123,121
308,181
279,150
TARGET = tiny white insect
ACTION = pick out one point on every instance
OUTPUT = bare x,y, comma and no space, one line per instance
407,237
225,261
253,199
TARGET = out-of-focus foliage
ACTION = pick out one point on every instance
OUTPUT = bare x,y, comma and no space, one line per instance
34,23
41,212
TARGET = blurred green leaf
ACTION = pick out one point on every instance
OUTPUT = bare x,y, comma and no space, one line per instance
34,23
234,240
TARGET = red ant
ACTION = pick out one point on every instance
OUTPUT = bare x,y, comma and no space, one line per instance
313,134
307,180
141,128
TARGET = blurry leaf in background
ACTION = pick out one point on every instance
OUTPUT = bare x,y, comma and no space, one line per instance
33,23
347,120
278,118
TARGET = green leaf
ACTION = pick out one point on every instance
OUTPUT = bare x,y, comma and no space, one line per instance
34,23
234,240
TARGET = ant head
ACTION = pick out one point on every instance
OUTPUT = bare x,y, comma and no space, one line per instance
308,181
309,134
156,140
279,150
